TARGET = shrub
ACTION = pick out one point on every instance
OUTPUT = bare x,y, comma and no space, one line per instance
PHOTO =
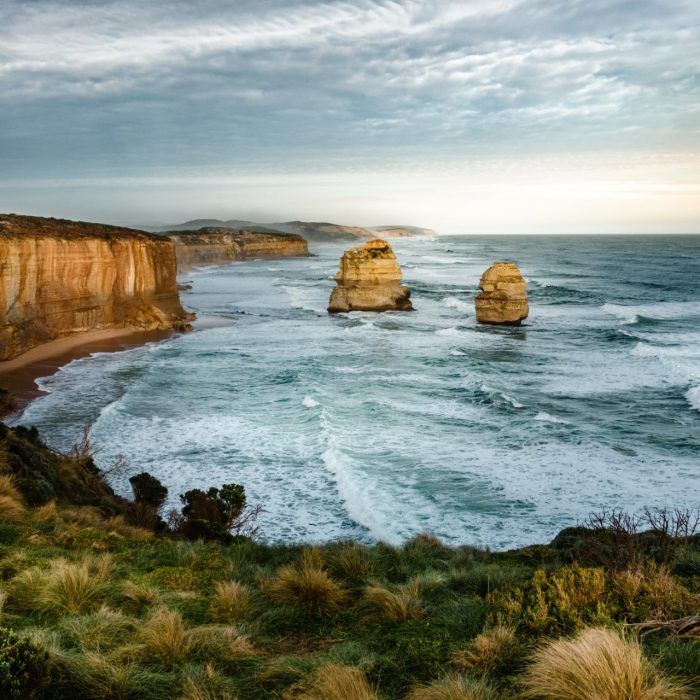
11,503
307,585
599,663
230,602
454,687
214,514
560,602
337,682
484,579
23,667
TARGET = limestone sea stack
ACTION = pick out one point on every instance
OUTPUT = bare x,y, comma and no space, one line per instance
503,297
369,279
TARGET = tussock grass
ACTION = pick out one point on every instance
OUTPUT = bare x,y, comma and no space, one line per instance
307,585
220,643
337,682
398,605
163,638
598,663
489,649
454,687
11,502
140,595
352,562
206,684
230,602
100,631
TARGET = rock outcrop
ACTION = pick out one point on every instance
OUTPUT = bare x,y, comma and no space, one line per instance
503,297
218,246
61,277
369,279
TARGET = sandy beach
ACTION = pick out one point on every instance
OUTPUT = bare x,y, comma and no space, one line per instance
19,375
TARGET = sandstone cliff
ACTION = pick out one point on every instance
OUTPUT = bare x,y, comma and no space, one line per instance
61,277
503,298
369,279
216,246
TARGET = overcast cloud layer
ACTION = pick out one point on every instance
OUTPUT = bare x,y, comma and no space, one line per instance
561,115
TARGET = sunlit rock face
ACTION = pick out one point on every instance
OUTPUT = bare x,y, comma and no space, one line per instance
503,297
62,277
369,279
217,246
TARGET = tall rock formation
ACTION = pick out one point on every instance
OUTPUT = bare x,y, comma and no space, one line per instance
217,246
369,279
61,277
503,297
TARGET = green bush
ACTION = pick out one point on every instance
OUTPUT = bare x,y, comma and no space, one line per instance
23,667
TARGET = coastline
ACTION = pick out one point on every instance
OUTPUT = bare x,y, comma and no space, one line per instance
19,375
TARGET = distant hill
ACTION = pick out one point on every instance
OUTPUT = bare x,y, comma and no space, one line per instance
314,231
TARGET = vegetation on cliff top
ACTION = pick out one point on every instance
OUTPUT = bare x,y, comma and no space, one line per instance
99,599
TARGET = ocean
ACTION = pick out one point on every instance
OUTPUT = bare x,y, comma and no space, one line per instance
381,426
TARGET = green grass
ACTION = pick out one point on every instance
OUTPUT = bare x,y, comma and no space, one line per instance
112,611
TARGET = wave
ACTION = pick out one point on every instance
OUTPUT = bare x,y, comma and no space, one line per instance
457,353
452,332
661,311
457,304
310,402
549,418
693,396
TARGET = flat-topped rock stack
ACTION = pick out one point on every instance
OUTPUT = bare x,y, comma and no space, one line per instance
503,297
369,279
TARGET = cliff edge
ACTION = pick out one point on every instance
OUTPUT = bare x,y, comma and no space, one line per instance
61,277
219,245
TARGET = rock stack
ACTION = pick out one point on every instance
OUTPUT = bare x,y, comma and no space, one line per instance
503,297
369,279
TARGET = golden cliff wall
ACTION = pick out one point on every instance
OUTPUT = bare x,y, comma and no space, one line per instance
62,277
212,246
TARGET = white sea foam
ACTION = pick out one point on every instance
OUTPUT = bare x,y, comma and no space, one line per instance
549,418
457,304
452,332
457,353
660,311
513,402
693,396
309,402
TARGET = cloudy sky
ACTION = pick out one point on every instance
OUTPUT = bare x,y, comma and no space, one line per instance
466,116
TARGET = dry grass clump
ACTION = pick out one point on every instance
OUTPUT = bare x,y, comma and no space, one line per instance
598,663
103,630
352,562
140,595
11,503
337,682
206,684
454,687
488,649
230,602
220,642
399,605
307,585
63,587
163,638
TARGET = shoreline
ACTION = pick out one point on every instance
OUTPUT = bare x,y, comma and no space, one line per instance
19,375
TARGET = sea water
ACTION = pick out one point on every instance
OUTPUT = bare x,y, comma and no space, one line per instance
381,426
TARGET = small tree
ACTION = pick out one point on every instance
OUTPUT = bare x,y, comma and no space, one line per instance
217,513
149,497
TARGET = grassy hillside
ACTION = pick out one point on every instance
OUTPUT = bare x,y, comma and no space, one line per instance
96,604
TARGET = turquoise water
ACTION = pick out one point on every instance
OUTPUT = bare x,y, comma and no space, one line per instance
379,426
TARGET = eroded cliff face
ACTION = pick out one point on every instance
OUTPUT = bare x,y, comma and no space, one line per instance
369,279
62,277
217,246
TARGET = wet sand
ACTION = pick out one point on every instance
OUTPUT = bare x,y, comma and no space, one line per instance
19,375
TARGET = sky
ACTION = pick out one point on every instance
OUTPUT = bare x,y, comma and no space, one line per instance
469,116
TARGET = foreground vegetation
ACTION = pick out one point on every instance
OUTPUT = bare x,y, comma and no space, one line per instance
100,599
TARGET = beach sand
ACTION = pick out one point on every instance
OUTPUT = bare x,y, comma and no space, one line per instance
19,375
